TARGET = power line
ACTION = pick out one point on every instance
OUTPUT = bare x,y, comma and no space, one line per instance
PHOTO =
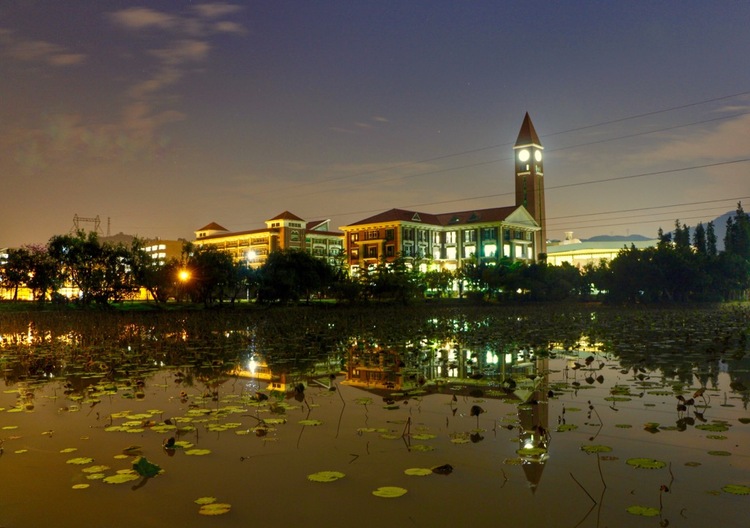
490,147
649,208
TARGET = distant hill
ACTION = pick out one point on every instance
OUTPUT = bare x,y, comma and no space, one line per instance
720,229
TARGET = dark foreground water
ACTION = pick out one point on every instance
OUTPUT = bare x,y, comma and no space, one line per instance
513,423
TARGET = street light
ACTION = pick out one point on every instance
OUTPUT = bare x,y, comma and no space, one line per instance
184,275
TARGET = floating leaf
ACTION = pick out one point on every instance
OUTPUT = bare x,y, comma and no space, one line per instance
69,450
80,486
562,428
145,468
310,422
591,449
720,453
421,447
692,464
95,469
215,508
198,452
121,478
646,463
645,511
531,451
423,436
80,461
737,489
325,476
418,472
713,427
389,492
205,500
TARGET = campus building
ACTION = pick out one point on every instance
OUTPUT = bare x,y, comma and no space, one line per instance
446,240
284,231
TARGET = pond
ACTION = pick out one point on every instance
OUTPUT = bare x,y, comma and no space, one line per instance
415,416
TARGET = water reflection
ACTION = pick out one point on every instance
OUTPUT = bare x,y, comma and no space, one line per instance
497,403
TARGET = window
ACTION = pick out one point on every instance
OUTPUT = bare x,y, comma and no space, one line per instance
390,234
373,235
294,237
372,251
488,233
436,237
450,253
355,253
408,251
470,235
490,250
422,235
450,237
389,250
408,233
354,237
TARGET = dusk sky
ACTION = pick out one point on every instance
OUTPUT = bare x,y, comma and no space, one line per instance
163,116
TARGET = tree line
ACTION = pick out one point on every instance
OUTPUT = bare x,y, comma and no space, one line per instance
682,267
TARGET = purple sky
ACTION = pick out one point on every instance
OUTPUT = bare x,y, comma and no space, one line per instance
163,116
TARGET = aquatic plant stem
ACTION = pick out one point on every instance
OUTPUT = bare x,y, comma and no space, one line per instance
584,489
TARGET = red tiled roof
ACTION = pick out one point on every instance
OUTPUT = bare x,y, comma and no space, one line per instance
493,214
286,215
213,226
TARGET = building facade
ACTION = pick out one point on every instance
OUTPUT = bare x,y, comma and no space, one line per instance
284,231
441,241
446,240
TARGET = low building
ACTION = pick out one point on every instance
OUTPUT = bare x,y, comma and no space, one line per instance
284,231
444,240
580,253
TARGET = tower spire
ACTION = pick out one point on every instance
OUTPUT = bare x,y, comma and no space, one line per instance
527,135
530,179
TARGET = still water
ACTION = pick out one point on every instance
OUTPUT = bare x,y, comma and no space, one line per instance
495,408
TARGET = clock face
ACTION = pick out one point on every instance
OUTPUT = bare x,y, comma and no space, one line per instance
523,155
538,155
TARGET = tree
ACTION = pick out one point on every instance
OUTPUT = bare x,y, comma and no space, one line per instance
290,275
700,242
15,273
212,275
710,240
101,272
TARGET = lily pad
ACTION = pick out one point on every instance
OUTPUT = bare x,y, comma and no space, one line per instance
80,486
720,453
325,476
713,427
205,500
646,463
389,492
145,468
645,511
566,427
215,508
80,461
197,452
737,489
591,449
418,472
310,422
121,478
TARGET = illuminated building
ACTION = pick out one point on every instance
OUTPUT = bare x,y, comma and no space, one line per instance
447,240
284,231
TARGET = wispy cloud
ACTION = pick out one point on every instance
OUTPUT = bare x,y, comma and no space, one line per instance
359,126
724,142
178,42
37,51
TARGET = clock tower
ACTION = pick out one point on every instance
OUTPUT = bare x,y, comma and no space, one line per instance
529,161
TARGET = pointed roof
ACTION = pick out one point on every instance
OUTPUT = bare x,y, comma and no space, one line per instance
213,226
527,134
286,215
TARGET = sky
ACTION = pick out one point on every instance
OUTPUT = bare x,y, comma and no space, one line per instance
160,117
